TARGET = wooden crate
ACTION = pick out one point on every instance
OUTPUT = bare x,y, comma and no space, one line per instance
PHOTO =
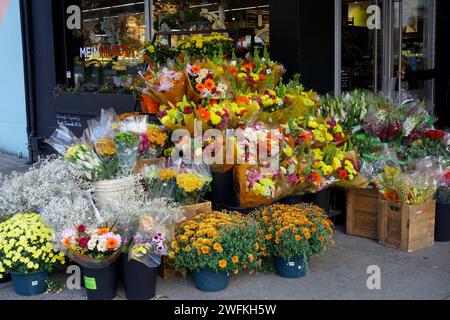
191,211
167,271
362,213
408,228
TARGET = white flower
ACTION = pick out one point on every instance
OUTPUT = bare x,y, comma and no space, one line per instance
234,63
164,42
92,244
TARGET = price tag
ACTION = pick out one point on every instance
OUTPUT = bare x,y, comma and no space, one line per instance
90,283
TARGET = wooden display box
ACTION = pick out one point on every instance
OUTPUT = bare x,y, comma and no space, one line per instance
362,213
192,210
166,270
408,228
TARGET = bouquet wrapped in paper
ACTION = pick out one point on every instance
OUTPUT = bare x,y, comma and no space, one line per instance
178,116
166,86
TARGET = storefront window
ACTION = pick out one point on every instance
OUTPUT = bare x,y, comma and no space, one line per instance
194,16
103,48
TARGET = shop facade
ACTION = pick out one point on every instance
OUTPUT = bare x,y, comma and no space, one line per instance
80,55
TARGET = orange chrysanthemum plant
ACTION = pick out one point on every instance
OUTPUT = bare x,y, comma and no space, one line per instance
217,242
292,232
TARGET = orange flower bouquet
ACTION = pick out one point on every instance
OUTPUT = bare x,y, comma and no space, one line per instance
204,83
216,244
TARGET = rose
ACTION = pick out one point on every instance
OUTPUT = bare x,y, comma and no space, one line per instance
435,134
81,229
83,242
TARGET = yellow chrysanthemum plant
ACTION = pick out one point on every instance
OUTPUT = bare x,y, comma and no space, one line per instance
293,233
217,242
26,246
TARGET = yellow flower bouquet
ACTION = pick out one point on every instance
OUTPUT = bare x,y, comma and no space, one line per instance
191,187
26,246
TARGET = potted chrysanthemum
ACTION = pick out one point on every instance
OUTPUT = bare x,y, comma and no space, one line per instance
214,245
96,251
293,234
27,253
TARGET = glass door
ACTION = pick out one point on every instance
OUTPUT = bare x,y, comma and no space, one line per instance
361,45
414,48
398,53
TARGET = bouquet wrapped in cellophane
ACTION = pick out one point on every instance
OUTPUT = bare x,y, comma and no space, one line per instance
81,157
153,235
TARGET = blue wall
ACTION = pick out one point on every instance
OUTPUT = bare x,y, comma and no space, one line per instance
13,124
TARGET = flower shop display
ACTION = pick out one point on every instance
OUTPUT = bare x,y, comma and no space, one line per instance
96,250
214,245
27,253
293,234
442,231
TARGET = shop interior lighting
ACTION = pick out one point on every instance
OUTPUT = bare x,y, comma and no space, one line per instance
115,7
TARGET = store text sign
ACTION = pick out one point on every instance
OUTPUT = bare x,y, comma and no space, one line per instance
103,51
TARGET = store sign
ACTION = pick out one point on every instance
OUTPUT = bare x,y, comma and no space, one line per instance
69,120
74,19
103,51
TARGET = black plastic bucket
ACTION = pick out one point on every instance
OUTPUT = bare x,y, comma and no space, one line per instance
292,200
222,190
322,199
100,284
442,226
139,280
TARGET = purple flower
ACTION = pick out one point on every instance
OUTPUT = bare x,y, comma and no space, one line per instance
144,143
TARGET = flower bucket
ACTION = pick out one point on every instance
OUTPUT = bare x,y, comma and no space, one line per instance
111,190
31,284
323,199
442,224
210,281
292,200
291,269
100,284
139,280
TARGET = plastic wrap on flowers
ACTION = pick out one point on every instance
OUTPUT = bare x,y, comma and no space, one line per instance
192,183
129,142
167,87
79,154
152,237
256,188
178,115
161,180
349,174
101,136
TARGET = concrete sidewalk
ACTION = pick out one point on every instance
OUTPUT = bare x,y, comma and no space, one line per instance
340,274
10,163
